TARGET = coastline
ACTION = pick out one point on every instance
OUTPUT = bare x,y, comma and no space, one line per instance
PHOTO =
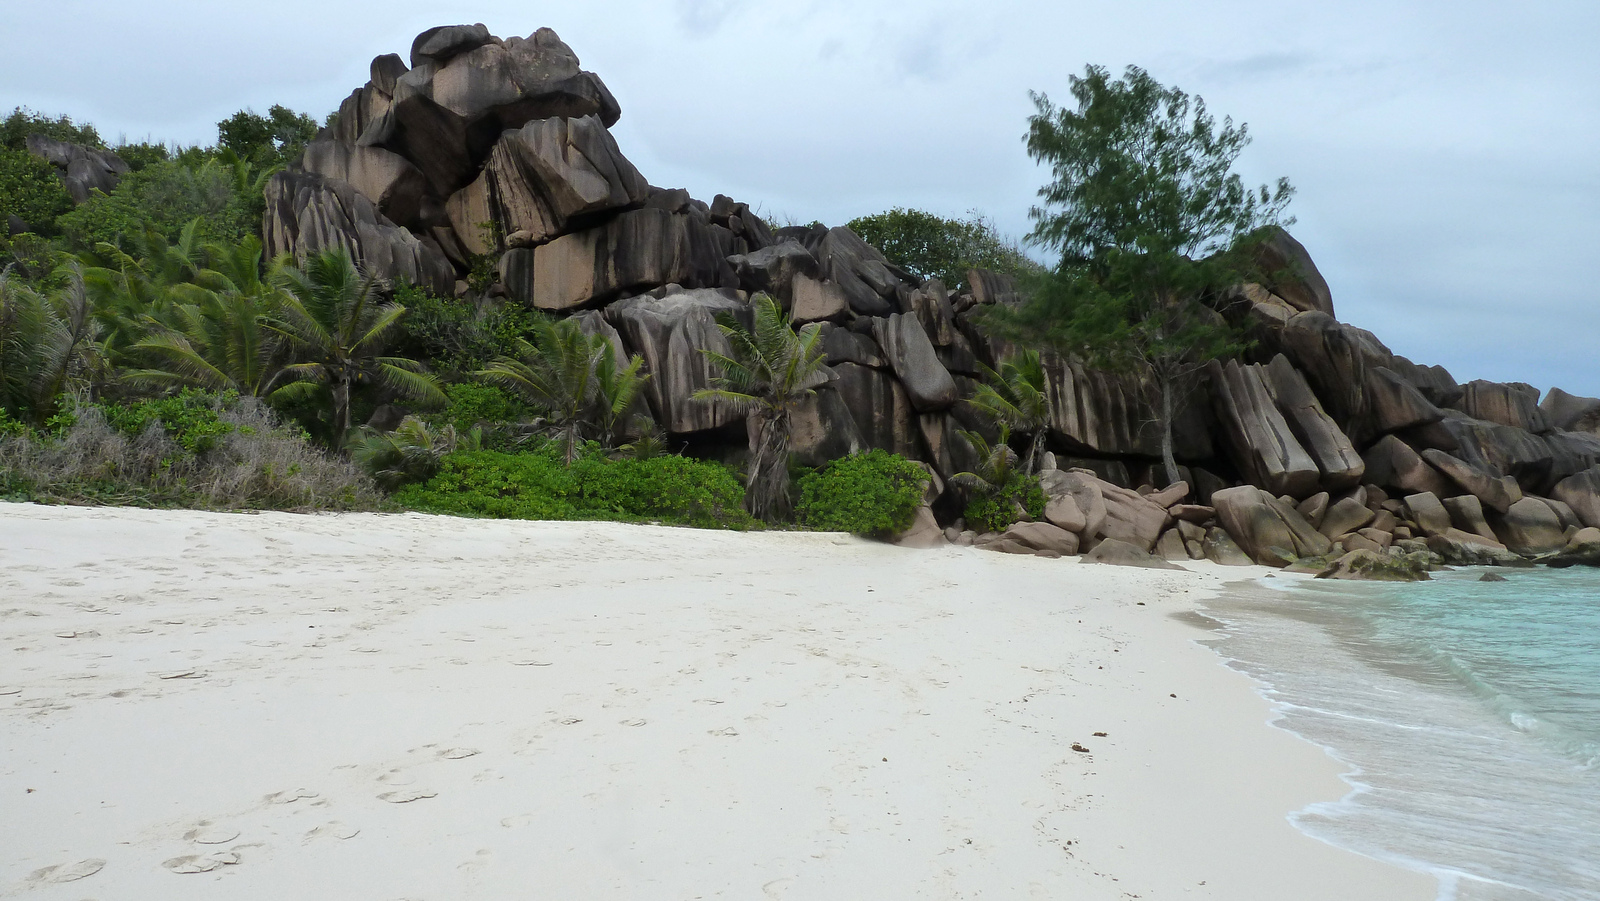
387,706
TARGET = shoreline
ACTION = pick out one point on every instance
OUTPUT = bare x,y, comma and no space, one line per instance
396,706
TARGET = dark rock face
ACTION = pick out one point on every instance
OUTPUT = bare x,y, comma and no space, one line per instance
670,333
541,177
1497,493
448,109
83,170
882,410
1581,492
1099,412
910,354
387,179
859,270
1264,448
1271,532
636,250
1530,528
1391,463
1335,456
1292,275
1571,413
1515,405
773,269
307,213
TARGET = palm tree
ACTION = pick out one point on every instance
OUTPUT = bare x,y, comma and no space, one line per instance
1016,397
993,485
573,378
334,326
47,345
212,333
772,369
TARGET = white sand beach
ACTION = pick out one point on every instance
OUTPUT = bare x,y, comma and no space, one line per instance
408,707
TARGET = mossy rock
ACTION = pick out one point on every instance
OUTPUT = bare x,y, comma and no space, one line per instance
1369,566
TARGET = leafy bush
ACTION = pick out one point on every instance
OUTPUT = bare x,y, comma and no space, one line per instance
996,512
143,154
473,404
16,127
933,247
31,189
410,453
536,485
875,494
268,140
190,418
251,462
460,335
166,196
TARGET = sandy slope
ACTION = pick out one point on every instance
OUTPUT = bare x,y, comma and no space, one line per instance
388,707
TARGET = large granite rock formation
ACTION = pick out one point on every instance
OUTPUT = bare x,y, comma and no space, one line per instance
83,170
489,151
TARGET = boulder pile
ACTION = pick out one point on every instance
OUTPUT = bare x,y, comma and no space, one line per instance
478,152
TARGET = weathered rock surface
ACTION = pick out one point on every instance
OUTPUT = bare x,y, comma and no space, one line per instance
1583,549
450,107
1459,548
1581,492
1391,463
1570,412
637,250
1082,491
1271,532
881,409
1496,493
924,531
83,170
1428,512
307,213
1107,413
1512,404
1321,437
773,269
1121,553
1264,448
1131,517
387,179
859,270
670,333
1371,565
1043,536
910,354
1220,548
1292,275
1345,516
821,429
1466,514
1530,528
541,177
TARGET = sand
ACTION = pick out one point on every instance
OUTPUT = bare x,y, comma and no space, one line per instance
406,707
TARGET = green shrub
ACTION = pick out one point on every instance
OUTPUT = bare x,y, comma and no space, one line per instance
996,512
457,334
191,418
250,461
16,127
31,189
536,485
930,246
875,494
166,196
472,403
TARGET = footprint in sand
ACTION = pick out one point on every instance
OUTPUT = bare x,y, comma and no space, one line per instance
182,674
724,733
7,690
211,834
68,872
397,777
634,722
406,796
196,863
458,753
290,796
530,663
335,829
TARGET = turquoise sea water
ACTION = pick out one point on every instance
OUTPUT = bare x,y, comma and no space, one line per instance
1468,711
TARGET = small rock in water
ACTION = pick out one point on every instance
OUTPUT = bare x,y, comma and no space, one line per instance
1491,577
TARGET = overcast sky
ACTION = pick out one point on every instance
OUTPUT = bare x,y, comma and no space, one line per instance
1447,154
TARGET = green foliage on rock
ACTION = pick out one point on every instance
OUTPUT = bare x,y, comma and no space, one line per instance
191,418
998,486
1149,219
166,197
31,189
874,494
461,335
930,246
540,485
21,122
270,140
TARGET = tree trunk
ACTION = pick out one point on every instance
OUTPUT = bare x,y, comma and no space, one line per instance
1167,459
341,410
768,490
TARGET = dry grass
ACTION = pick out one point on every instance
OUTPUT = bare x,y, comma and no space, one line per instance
258,465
